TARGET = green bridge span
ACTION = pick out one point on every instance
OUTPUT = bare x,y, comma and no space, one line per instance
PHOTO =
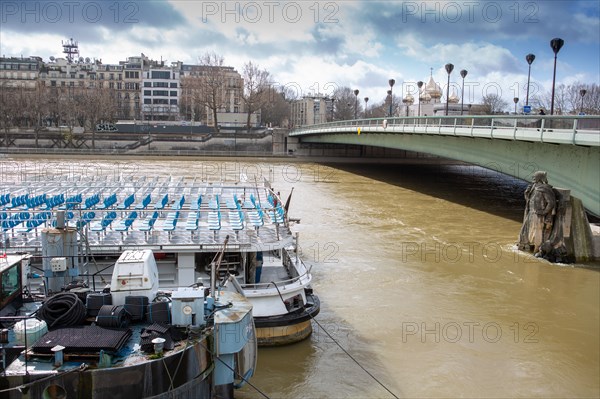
567,147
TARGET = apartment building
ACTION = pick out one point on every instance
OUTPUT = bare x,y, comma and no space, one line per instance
310,110
19,72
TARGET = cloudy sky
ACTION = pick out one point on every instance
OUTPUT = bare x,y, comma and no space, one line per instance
316,46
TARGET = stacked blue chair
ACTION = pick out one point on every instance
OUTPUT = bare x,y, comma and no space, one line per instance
106,221
231,203
127,202
4,199
15,220
162,202
90,202
192,221
195,205
236,220
55,201
18,201
109,201
127,222
33,202
86,218
142,205
72,201
256,217
171,221
179,204
277,214
214,220
149,223
37,220
214,203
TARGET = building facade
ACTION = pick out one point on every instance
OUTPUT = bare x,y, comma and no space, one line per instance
20,72
160,92
310,110
139,87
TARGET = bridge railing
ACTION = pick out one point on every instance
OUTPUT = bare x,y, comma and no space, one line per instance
571,129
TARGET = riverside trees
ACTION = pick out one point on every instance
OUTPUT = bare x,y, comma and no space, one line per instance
42,106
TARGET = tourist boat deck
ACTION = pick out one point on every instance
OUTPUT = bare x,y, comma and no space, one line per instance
162,214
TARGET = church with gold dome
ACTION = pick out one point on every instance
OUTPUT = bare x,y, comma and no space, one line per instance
430,102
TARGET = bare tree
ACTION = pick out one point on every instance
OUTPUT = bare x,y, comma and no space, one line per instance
568,99
7,110
256,84
345,103
38,107
493,103
211,84
101,106
276,109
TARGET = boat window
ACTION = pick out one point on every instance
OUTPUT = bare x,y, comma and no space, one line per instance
10,281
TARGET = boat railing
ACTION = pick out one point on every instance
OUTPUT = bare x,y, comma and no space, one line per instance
287,262
275,284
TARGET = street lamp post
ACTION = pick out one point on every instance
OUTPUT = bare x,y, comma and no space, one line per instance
391,82
332,101
419,85
463,74
408,101
516,100
449,69
556,45
366,102
582,92
355,102
529,58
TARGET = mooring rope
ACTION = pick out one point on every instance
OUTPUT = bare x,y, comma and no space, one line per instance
352,357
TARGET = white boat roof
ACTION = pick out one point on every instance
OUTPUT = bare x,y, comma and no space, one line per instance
163,214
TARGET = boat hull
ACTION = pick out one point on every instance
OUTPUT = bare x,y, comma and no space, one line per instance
288,328
187,377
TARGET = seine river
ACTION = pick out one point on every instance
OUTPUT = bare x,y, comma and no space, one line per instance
419,282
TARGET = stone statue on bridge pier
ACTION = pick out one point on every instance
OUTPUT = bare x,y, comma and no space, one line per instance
547,215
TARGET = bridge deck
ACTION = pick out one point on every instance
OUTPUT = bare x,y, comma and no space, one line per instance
576,130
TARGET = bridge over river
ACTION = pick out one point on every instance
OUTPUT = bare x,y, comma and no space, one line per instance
567,147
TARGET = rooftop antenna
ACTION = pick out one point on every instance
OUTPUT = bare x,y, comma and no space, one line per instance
71,49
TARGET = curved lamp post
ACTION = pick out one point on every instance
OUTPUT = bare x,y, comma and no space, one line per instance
582,92
391,82
366,101
449,69
463,74
419,85
408,101
332,100
355,102
529,58
556,45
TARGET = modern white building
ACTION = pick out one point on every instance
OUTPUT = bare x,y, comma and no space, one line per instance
161,92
